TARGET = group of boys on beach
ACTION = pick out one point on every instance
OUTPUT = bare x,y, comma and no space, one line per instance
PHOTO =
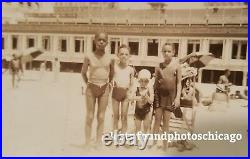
106,76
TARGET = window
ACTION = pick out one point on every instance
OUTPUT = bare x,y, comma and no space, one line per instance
134,46
63,45
236,77
93,45
212,76
3,43
175,43
14,42
79,45
46,43
153,45
31,42
114,45
193,46
216,48
239,49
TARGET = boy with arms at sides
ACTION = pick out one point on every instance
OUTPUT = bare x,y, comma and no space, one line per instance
100,69
123,82
167,89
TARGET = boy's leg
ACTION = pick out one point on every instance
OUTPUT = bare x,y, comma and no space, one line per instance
125,105
146,122
90,111
166,118
137,125
157,122
102,105
158,118
115,106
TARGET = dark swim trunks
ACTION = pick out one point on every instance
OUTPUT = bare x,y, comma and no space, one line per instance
165,90
96,90
140,113
119,93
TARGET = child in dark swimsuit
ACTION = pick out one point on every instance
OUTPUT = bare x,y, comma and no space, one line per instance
167,89
144,97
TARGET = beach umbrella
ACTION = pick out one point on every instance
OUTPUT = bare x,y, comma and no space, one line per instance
201,60
30,54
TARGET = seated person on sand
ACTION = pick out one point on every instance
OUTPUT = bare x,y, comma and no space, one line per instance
223,80
222,88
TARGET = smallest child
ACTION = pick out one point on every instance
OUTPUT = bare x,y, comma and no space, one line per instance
144,96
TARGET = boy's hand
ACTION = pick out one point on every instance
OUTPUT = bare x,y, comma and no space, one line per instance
143,98
110,85
146,97
177,102
200,53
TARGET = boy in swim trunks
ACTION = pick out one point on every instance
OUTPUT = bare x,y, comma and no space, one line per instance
123,81
100,68
167,89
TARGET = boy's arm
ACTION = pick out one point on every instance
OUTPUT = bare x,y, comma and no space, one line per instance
156,101
157,77
112,70
178,93
185,58
84,71
132,95
131,85
151,95
132,74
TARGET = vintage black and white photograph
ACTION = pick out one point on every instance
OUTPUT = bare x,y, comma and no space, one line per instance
125,78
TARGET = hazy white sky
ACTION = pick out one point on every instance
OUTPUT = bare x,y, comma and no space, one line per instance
48,6
176,5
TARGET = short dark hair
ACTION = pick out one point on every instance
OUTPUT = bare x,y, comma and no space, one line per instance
170,44
101,32
123,46
226,70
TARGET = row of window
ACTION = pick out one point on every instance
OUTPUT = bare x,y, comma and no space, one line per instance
239,47
208,76
212,76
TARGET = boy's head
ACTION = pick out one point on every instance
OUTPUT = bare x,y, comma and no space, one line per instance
101,41
168,51
123,53
227,72
144,77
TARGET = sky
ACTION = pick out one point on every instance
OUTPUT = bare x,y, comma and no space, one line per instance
48,6
179,5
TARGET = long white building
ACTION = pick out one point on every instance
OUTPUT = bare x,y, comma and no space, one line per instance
67,34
